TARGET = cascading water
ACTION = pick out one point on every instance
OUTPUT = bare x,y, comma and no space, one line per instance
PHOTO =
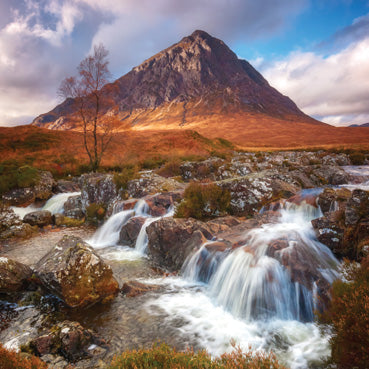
142,239
261,294
55,205
108,234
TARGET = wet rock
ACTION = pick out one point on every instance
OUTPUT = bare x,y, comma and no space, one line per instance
63,185
331,198
12,226
330,233
129,232
135,288
14,276
150,183
73,207
68,340
171,240
44,187
19,197
328,174
97,188
159,204
38,218
75,273
357,207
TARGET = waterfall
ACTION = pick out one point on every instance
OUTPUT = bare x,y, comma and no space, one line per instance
274,275
55,205
108,234
142,239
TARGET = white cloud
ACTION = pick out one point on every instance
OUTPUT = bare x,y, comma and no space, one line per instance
334,88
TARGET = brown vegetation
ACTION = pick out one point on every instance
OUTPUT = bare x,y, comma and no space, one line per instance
12,360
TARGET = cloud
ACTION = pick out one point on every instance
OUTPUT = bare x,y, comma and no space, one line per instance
42,41
333,88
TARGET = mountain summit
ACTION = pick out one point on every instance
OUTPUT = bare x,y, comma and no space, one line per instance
192,83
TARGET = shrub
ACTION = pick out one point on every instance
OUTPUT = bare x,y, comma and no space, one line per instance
203,200
122,178
95,212
12,360
12,176
348,313
164,356
171,169
357,158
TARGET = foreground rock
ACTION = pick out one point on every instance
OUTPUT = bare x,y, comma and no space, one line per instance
14,276
130,231
38,218
12,226
67,339
76,274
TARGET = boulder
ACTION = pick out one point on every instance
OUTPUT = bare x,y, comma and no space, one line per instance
12,226
63,185
19,197
62,220
171,240
150,183
38,218
329,232
73,207
357,207
159,204
97,188
68,339
73,271
44,187
129,232
135,288
332,199
14,276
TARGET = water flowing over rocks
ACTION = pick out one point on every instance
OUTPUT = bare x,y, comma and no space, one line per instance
39,218
75,273
172,240
14,276
130,231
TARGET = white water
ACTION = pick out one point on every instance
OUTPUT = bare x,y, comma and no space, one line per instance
55,205
248,296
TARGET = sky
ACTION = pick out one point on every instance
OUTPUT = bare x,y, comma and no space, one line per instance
314,51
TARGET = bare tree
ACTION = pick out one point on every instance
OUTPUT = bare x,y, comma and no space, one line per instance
91,104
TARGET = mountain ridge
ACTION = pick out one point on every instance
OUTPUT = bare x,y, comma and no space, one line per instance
186,84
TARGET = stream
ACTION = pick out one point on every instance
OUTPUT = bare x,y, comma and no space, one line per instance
244,296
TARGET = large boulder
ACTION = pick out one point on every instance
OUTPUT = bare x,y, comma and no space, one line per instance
14,276
171,240
97,188
76,273
73,207
38,218
129,232
159,204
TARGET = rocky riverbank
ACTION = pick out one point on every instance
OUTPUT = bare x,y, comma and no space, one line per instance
73,303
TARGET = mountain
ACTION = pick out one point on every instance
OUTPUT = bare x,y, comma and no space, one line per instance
359,125
196,81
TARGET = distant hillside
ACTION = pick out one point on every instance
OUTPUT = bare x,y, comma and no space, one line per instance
360,125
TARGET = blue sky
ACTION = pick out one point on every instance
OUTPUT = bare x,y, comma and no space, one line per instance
316,52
